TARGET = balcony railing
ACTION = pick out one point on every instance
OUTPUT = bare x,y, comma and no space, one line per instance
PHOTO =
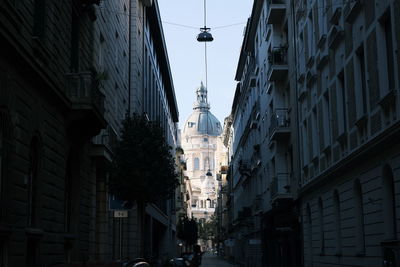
86,117
83,92
277,59
280,186
279,123
104,144
276,11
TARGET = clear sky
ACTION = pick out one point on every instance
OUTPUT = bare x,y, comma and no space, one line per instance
181,22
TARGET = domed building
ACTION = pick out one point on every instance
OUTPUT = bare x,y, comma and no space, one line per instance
200,141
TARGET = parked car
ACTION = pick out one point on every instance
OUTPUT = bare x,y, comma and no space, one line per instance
178,262
133,262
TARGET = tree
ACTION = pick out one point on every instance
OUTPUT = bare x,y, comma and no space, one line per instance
187,230
143,169
208,229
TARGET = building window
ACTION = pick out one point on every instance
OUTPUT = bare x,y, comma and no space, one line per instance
32,182
385,34
361,80
68,196
6,137
359,216
196,164
3,253
75,32
208,163
389,212
309,236
321,226
39,19
337,221
341,109
1,162
32,245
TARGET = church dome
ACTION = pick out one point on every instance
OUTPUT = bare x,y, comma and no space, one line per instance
202,121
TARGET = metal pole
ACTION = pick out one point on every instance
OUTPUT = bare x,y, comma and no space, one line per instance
120,238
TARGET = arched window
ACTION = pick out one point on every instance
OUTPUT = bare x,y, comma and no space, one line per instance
309,236
359,216
196,164
68,196
1,161
321,226
33,183
337,222
6,146
389,213
33,212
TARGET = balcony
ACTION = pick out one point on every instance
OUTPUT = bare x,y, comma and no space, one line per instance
278,68
279,124
87,105
335,35
104,144
280,186
322,59
276,11
351,9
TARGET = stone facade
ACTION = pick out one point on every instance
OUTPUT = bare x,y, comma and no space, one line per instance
348,130
317,104
65,86
50,108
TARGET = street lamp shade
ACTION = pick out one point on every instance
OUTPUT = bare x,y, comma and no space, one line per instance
205,35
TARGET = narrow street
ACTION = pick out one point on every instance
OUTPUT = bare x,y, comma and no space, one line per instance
210,260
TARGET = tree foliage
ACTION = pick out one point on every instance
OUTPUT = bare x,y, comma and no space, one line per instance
187,230
208,229
143,168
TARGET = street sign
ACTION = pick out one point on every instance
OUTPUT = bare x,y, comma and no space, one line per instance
254,241
118,204
120,214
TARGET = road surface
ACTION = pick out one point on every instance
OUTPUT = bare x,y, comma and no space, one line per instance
210,260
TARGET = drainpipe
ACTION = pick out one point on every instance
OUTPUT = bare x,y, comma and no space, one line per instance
143,47
129,55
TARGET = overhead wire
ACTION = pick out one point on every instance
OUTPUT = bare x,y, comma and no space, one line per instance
126,13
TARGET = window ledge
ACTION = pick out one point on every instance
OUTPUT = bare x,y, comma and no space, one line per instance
34,232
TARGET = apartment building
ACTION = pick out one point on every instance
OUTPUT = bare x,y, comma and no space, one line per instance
346,79
51,105
152,93
315,135
265,228
66,84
